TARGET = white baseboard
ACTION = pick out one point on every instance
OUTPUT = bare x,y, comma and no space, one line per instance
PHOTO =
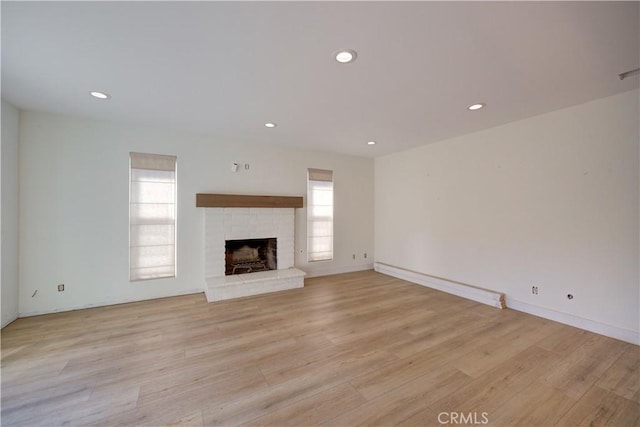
488,297
485,296
106,303
319,271
579,322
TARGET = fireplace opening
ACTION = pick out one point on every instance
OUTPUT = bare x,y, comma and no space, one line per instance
250,255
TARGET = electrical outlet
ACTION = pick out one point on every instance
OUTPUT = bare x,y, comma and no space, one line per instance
61,287
534,290
354,256
365,255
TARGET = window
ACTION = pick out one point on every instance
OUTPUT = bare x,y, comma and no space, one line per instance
320,215
152,216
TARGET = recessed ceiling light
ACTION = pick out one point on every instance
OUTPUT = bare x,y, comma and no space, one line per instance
270,125
475,106
100,95
346,55
371,143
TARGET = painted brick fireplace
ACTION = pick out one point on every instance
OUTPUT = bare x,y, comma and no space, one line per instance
223,224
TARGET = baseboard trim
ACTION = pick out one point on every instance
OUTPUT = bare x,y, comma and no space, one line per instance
485,296
317,272
104,304
579,322
489,297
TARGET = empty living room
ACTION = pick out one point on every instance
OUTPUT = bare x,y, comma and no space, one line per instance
336,213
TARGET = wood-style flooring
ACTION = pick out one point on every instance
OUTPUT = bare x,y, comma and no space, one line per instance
351,349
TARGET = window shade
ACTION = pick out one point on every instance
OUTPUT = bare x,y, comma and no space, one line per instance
320,175
320,215
152,216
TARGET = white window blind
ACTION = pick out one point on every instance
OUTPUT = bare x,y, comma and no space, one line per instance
320,215
152,216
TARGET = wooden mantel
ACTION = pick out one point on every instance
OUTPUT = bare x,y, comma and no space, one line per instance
241,201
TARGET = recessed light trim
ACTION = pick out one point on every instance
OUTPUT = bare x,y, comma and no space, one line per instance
346,56
270,125
99,95
371,143
474,107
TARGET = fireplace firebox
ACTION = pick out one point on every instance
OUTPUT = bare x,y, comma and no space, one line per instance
250,255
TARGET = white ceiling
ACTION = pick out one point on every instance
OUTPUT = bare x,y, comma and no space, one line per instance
226,68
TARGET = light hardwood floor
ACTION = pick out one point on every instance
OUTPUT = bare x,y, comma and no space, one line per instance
352,349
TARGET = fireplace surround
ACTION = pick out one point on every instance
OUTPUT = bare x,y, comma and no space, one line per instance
223,224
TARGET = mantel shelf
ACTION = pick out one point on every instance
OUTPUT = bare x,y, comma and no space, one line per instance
204,200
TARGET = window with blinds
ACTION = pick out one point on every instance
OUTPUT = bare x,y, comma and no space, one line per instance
319,215
152,216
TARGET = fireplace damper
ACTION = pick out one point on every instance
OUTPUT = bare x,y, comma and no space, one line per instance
250,255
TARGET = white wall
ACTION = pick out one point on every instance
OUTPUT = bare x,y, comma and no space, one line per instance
9,218
74,206
550,201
